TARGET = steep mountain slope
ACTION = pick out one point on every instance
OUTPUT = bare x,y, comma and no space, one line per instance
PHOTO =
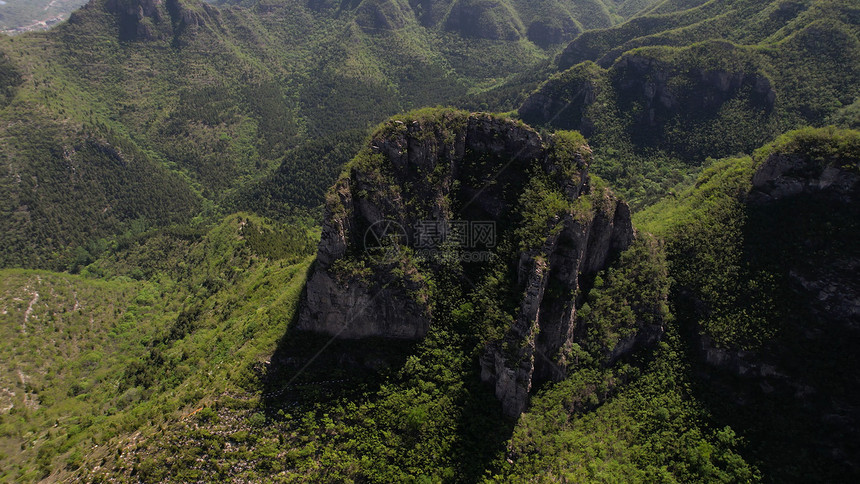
432,170
764,257
86,360
379,411
760,256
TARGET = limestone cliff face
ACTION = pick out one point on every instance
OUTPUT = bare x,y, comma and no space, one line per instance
546,324
647,82
137,19
453,166
659,90
387,194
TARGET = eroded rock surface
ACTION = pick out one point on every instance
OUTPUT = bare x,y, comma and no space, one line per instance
453,166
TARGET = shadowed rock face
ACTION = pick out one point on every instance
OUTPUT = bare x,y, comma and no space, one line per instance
467,167
545,33
784,175
647,82
148,20
563,102
793,180
547,324
136,18
389,194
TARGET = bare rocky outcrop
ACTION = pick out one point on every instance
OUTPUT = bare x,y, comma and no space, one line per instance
454,166
386,195
532,351
647,81
137,19
783,175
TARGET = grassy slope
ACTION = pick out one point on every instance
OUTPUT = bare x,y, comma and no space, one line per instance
90,360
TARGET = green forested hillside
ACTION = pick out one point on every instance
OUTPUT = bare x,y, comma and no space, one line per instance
760,276
684,411
196,102
663,92
165,327
202,102
219,97
163,172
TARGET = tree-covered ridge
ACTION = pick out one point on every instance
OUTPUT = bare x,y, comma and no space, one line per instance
212,100
660,93
744,22
762,251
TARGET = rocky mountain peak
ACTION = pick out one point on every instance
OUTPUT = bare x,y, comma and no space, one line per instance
439,169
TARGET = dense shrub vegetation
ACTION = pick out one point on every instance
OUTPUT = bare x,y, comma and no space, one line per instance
171,170
661,94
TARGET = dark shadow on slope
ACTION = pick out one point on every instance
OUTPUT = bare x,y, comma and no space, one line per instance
309,368
483,430
796,401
